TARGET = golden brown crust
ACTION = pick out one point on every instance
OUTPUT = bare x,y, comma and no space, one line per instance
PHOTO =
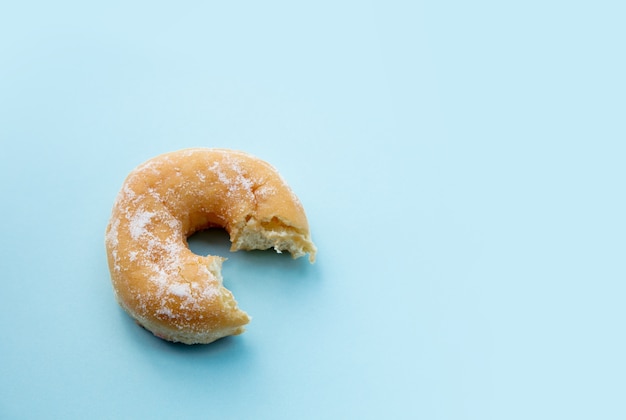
156,278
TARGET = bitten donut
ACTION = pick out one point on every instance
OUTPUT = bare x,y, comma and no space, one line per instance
169,290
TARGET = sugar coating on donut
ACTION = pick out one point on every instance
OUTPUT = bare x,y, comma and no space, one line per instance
170,291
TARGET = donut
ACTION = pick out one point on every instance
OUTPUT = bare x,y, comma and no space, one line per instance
157,280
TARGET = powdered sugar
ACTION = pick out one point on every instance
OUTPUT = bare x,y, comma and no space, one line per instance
230,174
138,223
180,289
112,242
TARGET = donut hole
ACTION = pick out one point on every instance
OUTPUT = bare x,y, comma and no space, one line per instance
212,241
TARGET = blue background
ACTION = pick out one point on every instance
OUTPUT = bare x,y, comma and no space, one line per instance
462,168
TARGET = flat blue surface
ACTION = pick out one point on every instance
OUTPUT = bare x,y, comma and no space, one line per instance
462,165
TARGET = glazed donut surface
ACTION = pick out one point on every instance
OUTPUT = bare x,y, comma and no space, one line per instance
168,289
